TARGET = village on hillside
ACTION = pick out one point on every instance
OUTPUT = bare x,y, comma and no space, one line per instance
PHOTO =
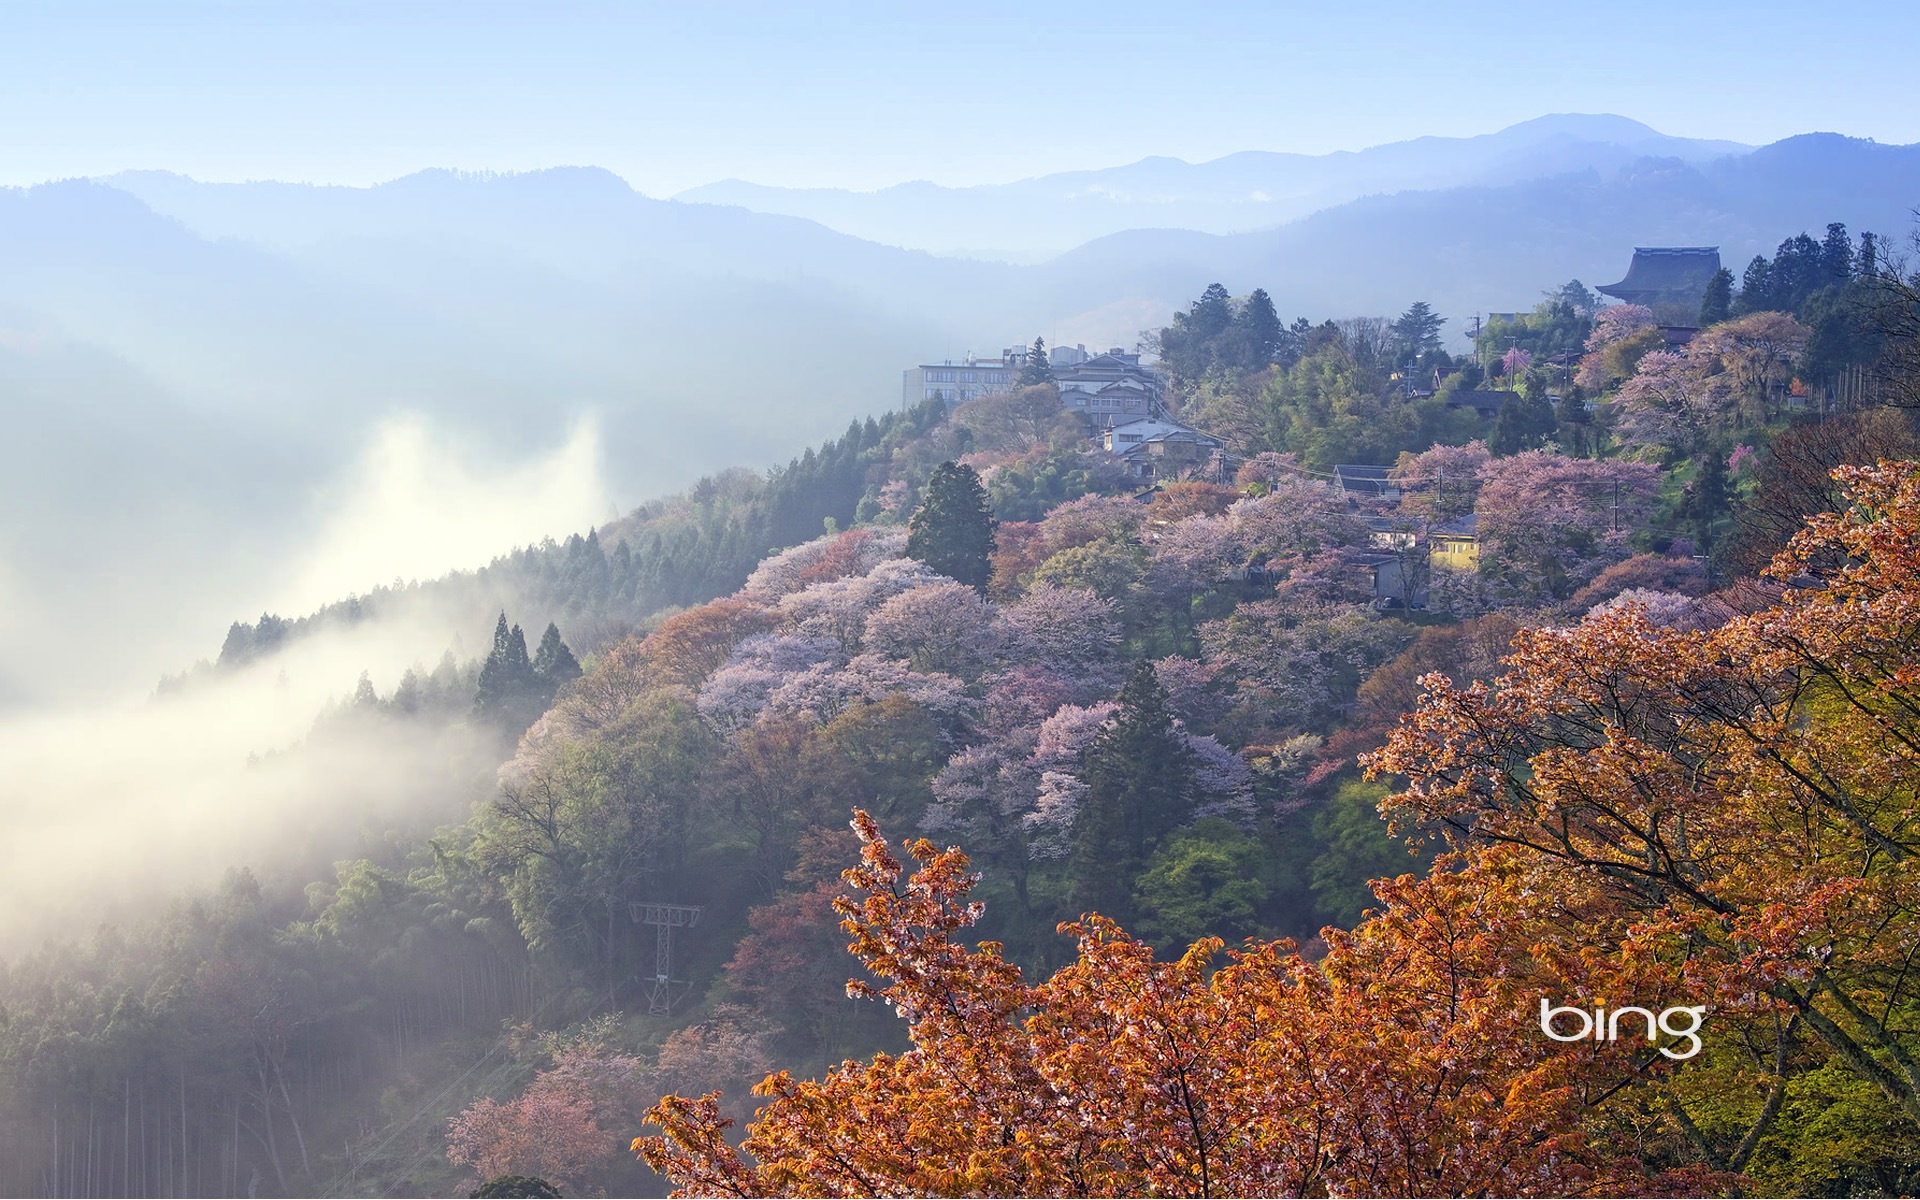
1564,377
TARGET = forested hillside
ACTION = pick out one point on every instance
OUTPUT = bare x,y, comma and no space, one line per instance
1538,676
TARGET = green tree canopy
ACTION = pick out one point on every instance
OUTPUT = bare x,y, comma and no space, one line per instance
1716,305
1140,788
952,531
1038,370
1417,332
553,662
509,691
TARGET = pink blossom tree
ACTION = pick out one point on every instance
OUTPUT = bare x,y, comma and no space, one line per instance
1666,406
827,689
1443,482
1070,631
839,607
1613,328
854,552
1549,524
942,626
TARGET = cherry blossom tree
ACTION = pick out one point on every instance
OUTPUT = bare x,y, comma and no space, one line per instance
1748,363
1618,328
942,626
839,607
1443,482
1091,519
1549,524
735,695
1666,405
823,691
1070,631
854,552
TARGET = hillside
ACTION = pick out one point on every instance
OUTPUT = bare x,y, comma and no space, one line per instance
1147,703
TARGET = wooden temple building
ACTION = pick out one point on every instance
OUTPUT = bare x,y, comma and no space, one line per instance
1670,280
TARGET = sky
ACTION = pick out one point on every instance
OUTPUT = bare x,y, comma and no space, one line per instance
864,95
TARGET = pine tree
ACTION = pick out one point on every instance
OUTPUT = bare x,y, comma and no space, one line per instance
1038,370
1756,287
1263,330
1836,254
1210,315
1140,787
952,531
1716,304
1417,331
553,662
507,687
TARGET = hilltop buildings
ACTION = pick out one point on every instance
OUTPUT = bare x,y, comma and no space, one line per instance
1157,448
1111,389
968,379
1670,280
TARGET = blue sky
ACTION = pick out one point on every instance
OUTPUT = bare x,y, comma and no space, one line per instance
862,95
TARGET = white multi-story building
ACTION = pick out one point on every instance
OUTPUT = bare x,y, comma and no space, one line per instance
1109,389
969,378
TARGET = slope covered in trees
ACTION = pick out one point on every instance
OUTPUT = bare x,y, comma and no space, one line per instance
1151,705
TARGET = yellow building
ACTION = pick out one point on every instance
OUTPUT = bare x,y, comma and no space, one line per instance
1455,544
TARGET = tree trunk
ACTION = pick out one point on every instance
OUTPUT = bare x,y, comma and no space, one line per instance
298,1138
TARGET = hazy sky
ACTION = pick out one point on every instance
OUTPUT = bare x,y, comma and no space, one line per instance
861,95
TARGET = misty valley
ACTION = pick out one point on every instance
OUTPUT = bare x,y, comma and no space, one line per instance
1223,652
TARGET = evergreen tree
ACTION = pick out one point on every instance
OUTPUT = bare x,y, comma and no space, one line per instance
1140,787
1211,313
1709,495
1867,263
1512,428
1263,331
1416,332
1836,254
1756,287
1716,305
508,687
1574,422
1038,370
952,530
553,662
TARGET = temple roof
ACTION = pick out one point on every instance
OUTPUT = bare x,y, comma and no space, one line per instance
1665,273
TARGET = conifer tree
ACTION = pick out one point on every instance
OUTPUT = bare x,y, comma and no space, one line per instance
553,662
1038,370
1417,331
952,531
1262,325
1716,305
1140,787
507,682
1836,253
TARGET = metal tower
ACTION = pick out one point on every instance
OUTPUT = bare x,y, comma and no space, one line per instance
666,918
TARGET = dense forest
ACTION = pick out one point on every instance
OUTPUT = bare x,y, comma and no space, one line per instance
1653,761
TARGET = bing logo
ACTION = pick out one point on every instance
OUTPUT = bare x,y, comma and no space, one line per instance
1602,1026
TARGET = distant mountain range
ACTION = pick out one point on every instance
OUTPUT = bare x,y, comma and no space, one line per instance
1036,218
183,363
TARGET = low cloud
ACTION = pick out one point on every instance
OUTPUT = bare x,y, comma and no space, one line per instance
115,798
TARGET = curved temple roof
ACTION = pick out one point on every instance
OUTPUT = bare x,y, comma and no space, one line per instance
1665,274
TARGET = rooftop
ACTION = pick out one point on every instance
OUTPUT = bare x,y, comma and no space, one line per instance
1666,273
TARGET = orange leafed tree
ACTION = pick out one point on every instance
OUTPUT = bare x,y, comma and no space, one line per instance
1401,1064
1639,816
